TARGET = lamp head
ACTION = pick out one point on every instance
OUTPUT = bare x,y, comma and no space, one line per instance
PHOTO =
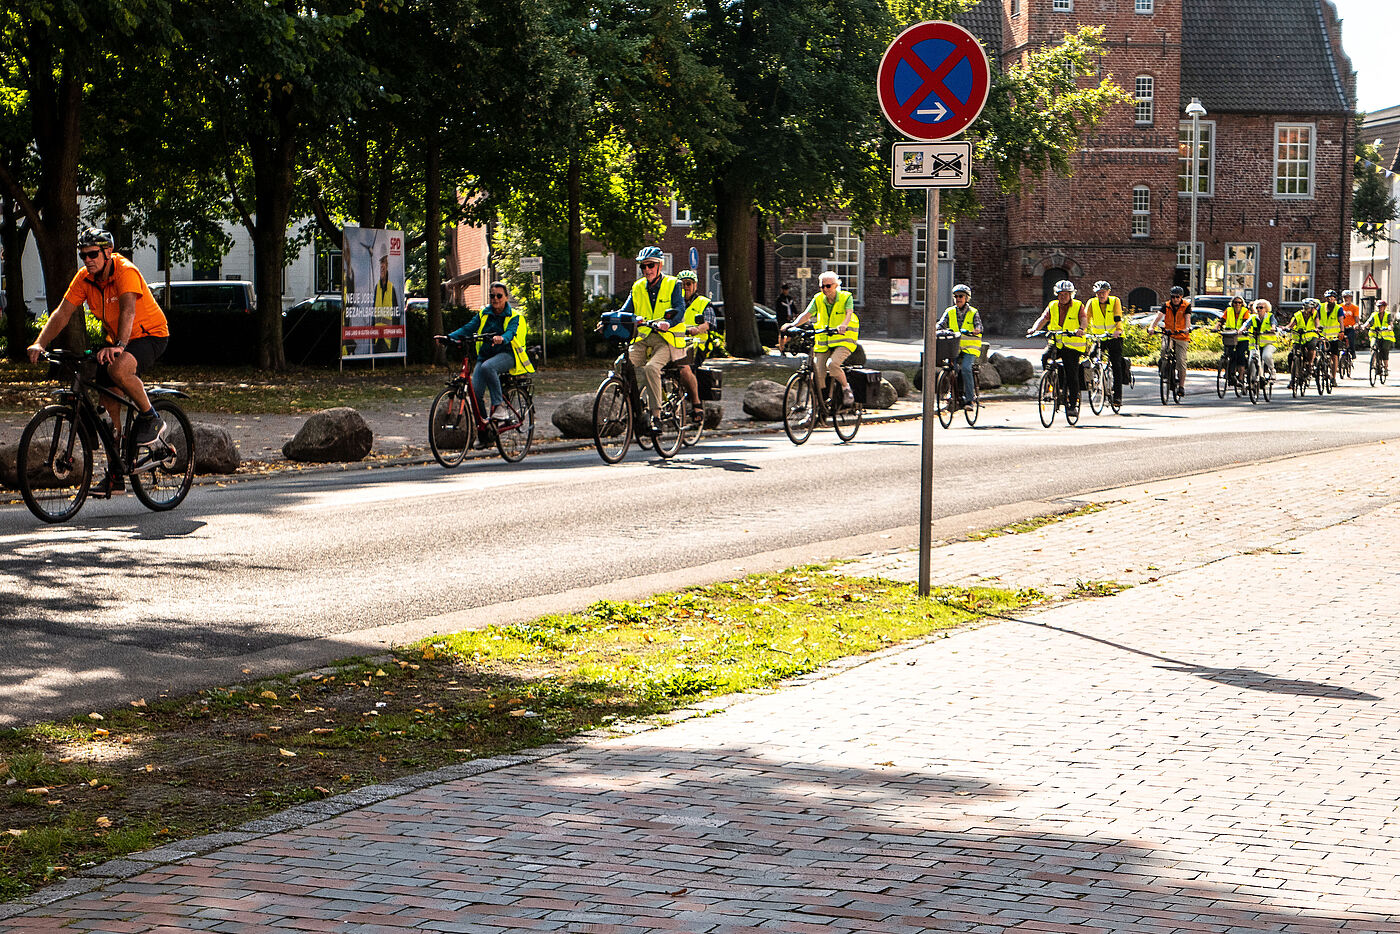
1195,108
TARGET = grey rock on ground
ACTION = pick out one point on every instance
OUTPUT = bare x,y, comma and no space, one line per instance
898,380
885,396
574,416
1012,369
988,377
214,450
9,477
763,400
714,413
331,435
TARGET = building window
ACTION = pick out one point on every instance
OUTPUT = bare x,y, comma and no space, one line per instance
1293,160
1142,6
1241,269
680,214
1142,211
1015,7
1297,269
713,287
1142,94
666,260
1183,254
598,277
1214,281
945,250
847,262
1062,6
1205,167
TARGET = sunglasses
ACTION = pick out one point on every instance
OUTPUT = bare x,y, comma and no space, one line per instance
90,254
498,295
829,285
651,265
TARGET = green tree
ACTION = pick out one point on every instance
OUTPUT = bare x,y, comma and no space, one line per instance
1373,207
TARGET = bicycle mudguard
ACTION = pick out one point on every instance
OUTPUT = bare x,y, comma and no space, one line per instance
167,393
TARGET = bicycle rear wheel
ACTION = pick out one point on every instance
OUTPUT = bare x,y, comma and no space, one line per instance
514,436
1048,397
612,420
1166,375
668,440
798,414
1373,371
845,418
54,464
1222,377
974,408
1098,379
1252,381
450,427
161,479
691,430
946,400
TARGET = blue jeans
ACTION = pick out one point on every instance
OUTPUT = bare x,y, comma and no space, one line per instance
967,361
486,378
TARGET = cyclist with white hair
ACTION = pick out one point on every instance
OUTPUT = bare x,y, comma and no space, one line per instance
1105,313
832,307
963,318
1065,320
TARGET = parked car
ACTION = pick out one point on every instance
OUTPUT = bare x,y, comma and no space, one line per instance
1206,310
208,295
311,330
764,317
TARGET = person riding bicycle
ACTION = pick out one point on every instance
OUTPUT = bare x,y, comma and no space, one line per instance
1304,328
966,320
1263,333
1176,314
503,353
1105,313
1351,320
1329,321
655,296
1231,329
133,326
699,320
1382,330
1064,317
832,308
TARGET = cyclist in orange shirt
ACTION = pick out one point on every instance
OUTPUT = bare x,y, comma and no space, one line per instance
1176,314
116,294
1351,319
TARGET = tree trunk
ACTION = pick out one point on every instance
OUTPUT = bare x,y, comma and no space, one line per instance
576,323
733,222
58,139
432,206
272,158
13,235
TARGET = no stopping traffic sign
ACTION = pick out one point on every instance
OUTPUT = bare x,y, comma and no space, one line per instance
933,80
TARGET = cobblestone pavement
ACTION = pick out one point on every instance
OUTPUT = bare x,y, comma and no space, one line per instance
1212,750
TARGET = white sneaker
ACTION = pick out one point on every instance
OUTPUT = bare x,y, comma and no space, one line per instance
500,413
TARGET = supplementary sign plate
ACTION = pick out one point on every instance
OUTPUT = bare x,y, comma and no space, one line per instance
932,165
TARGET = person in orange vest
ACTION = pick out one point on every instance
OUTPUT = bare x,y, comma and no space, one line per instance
1176,314
1351,321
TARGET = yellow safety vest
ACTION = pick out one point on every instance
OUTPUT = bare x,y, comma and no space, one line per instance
1104,319
1069,325
1381,325
1263,328
832,316
1331,322
1243,326
970,343
1232,321
1304,326
665,301
517,343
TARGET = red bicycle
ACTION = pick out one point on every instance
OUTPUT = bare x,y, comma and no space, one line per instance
458,421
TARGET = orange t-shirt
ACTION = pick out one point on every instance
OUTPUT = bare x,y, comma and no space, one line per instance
101,300
1178,318
1351,316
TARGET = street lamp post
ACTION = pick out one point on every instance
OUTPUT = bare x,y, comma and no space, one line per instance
1195,111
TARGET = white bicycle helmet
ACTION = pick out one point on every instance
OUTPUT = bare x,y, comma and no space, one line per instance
1064,285
962,288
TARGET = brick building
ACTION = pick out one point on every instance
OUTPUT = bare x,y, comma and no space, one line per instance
1274,184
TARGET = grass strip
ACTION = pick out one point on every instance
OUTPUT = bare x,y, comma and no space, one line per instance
1037,522
113,782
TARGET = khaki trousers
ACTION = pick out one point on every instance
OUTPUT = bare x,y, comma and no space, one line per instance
832,358
661,353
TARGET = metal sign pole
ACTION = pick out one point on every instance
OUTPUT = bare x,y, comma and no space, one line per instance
930,373
544,321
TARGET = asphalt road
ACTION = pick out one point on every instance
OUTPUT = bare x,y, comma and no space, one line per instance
286,572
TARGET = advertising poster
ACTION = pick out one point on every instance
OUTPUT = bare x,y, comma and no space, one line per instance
373,325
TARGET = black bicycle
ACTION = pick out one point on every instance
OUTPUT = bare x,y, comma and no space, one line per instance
805,404
458,421
1169,388
58,446
619,413
950,396
1051,395
1378,369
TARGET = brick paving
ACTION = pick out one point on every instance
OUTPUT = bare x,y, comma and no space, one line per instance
1212,750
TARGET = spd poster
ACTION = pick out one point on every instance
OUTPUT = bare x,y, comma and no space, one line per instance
373,324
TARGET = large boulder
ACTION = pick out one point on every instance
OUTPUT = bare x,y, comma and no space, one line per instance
898,380
714,413
885,396
763,400
331,435
214,449
9,477
40,476
574,416
988,377
1012,369
857,357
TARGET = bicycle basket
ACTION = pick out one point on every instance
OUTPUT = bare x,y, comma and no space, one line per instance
800,340
619,326
946,348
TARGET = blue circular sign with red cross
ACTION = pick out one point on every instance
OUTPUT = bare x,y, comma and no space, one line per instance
933,80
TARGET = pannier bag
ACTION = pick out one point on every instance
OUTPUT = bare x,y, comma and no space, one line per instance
947,347
619,326
864,383
711,380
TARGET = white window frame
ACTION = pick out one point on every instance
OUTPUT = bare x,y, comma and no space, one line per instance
1142,211
1207,164
598,269
1140,84
1144,7
1015,7
1183,257
1284,289
850,269
1062,6
1250,290
918,261
713,287
681,215
1213,280
1311,131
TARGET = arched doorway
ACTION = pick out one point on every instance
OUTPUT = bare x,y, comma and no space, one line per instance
1048,283
1140,299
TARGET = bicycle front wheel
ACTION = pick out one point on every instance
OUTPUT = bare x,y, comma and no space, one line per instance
54,464
798,414
161,479
612,420
1222,375
947,398
1166,373
846,418
450,427
668,440
974,407
513,437
1098,379
1252,381
1373,371
1047,398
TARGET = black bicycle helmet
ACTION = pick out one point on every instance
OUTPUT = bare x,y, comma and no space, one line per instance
96,236
1177,291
